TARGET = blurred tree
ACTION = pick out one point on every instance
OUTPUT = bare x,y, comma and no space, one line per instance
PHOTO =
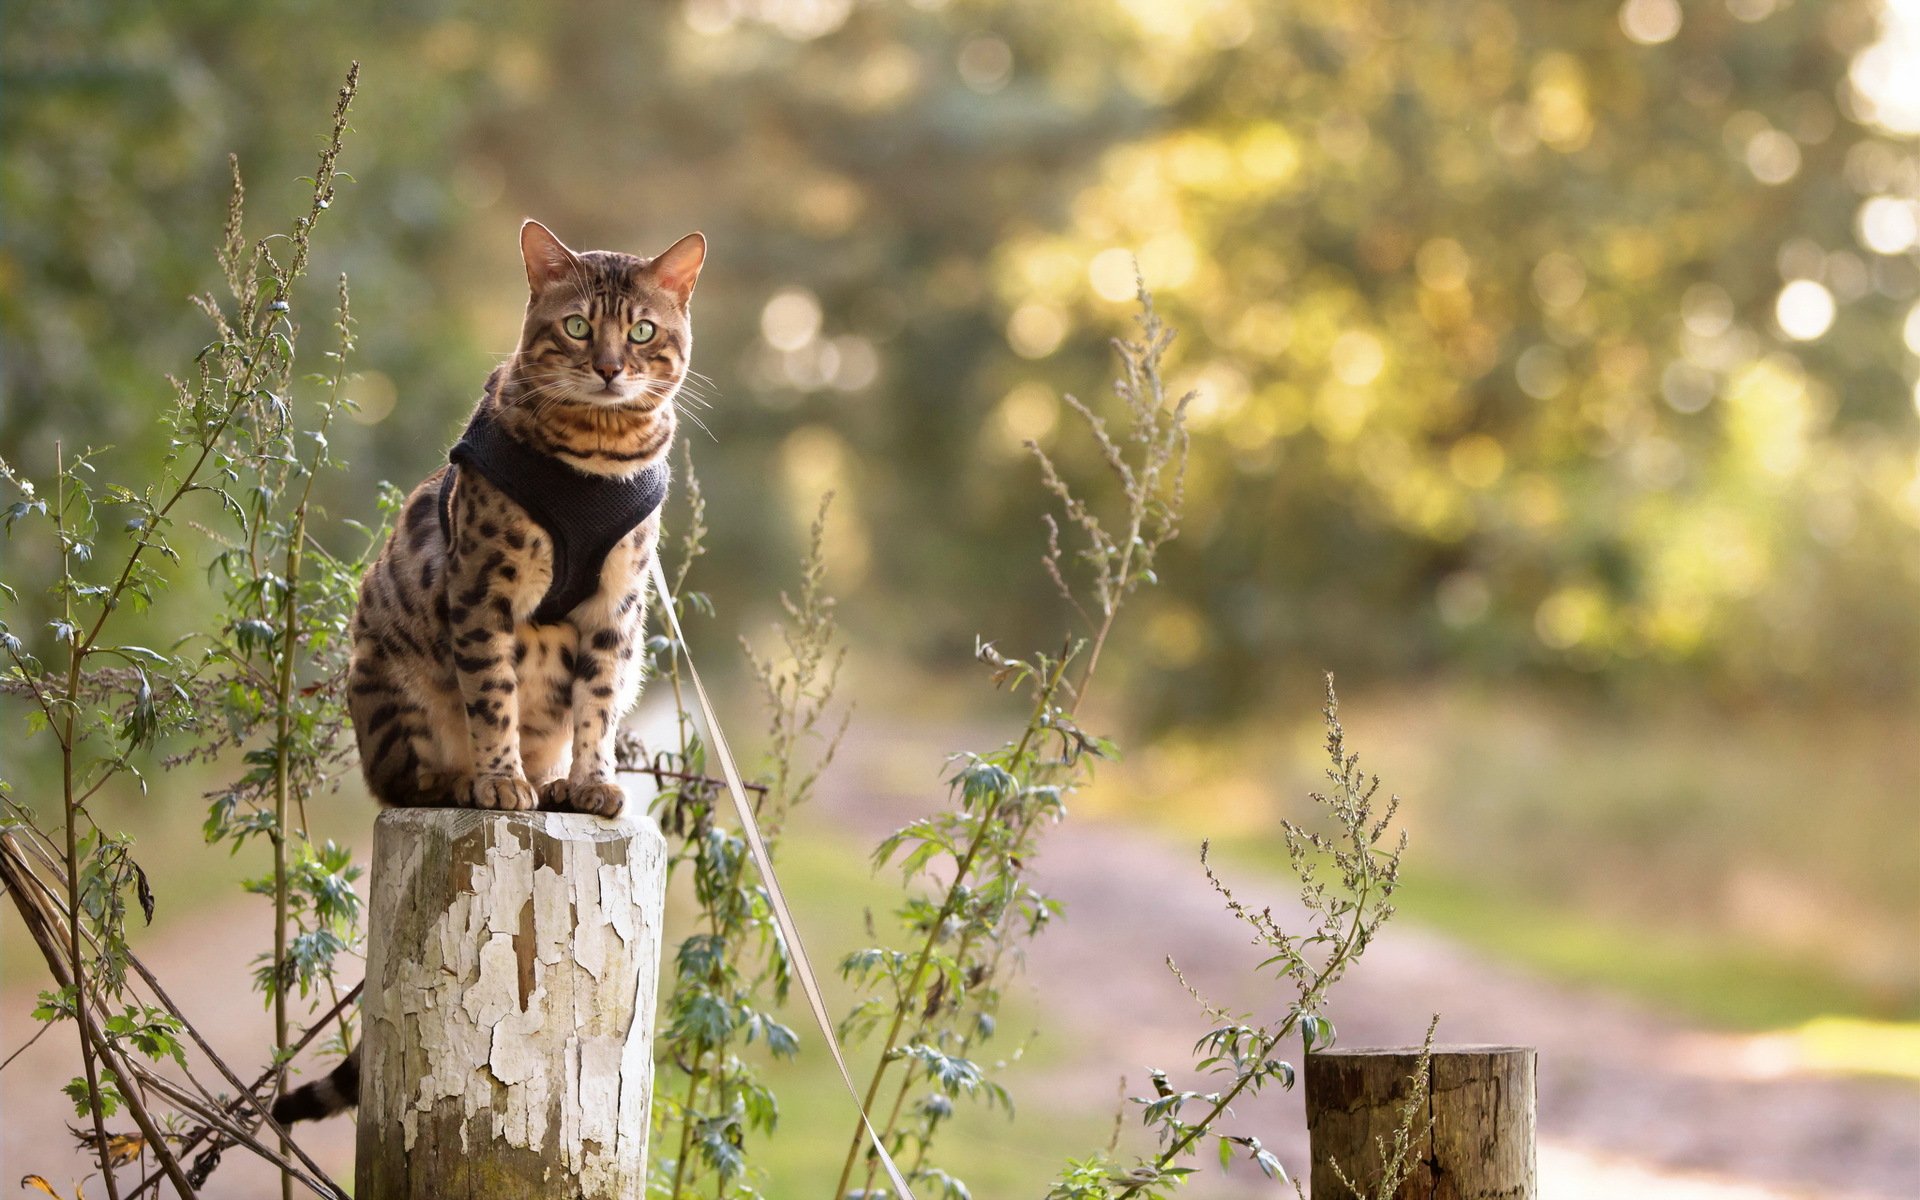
1528,336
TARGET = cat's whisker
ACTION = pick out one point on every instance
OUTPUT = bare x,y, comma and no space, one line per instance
702,424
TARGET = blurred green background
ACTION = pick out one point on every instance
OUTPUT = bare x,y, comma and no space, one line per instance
1555,371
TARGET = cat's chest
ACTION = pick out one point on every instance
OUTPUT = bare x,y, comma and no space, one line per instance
606,587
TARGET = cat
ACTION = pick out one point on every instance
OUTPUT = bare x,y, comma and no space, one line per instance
497,639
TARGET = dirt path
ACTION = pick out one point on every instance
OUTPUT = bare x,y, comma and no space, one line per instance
1617,1082
1632,1103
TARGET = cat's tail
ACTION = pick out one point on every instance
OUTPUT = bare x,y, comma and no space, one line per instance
333,1093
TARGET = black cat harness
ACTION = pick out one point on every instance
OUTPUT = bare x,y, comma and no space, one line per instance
584,515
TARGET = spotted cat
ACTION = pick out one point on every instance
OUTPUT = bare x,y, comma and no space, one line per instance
496,645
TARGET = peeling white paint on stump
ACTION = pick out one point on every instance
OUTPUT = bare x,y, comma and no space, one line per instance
512,966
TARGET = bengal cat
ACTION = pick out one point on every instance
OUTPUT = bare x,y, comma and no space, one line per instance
496,645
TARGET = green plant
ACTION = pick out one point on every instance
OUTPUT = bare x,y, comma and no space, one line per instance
1347,880
730,975
932,1003
260,687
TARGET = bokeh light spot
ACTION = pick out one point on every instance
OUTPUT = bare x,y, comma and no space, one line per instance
1687,388
1884,84
1559,280
858,363
1442,264
1477,461
1650,22
985,63
1541,372
1028,413
1773,156
1358,357
1805,310
1706,310
1887,225
1169,260
1269,154
1036,330
790,319
1568,617
372,397
1112,274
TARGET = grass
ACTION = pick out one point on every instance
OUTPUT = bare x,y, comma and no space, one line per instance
1739,870
832,891
1743,869
1693,973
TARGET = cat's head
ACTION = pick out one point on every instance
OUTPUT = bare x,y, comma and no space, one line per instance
606,328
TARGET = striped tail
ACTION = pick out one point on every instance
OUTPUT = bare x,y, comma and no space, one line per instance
334,1092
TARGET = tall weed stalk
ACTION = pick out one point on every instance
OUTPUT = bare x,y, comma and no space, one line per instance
731,974
971,903
262,687
1347,879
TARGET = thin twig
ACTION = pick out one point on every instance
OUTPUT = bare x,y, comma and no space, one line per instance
26,1046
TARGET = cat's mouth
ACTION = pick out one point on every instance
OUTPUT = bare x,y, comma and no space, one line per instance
617,393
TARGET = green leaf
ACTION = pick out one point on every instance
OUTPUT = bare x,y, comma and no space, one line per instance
110,1098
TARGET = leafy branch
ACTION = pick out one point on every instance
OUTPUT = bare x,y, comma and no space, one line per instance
106,703
1347,881
938,1002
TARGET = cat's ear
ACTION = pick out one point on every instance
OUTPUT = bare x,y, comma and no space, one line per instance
547,257
678,267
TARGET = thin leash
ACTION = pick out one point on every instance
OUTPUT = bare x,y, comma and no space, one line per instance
788,930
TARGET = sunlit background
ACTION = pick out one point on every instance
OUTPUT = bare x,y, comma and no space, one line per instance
1556,376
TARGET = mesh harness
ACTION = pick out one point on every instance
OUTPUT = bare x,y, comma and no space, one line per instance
585,515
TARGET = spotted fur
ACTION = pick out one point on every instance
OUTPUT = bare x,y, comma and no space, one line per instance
457,698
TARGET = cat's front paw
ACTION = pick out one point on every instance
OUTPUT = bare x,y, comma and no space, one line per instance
600,797
508,793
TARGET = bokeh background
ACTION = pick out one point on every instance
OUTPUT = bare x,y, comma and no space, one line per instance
1555,369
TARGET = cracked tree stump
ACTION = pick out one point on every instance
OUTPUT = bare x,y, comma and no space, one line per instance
1475,1141
511,971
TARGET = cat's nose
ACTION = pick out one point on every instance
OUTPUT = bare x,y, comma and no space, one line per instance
607,371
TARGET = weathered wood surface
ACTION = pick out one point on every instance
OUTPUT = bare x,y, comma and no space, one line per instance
1473,1141
512,965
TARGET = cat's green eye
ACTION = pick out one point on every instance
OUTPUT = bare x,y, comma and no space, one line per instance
641,333
577,327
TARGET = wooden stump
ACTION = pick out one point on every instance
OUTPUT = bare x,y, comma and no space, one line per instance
512,965
1480,1103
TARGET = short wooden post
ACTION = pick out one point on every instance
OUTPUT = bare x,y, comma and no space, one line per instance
1474,1141
511,971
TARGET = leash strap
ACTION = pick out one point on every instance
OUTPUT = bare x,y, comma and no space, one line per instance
782,915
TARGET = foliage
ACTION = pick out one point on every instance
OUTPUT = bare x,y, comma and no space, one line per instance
1489,294
1347,880
732,972
970,918
257,690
